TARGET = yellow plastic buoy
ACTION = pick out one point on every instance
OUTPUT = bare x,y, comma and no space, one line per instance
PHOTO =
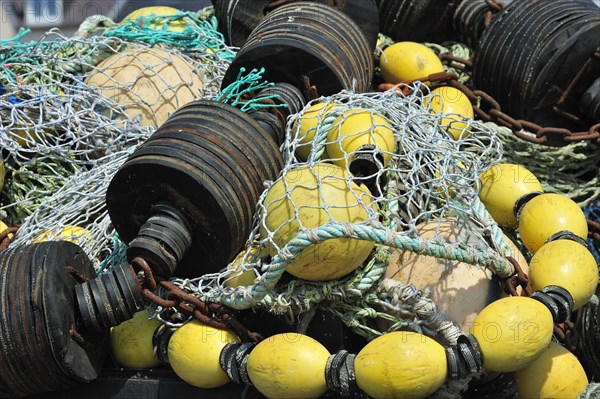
407,61
306,128
402,364
548,214
131,341
175,26
242,277
149,82
3,227
454,103
310,191
360,130
459,290
556,374
289,366
512,332
501,186
567,264
194,351
74,234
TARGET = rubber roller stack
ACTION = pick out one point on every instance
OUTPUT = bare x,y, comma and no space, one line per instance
589,338
532,51
43,344
469,19
417,20
184,202
209,162
238,19
308,44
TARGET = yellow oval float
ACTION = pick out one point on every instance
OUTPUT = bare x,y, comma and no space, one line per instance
402,364
289,366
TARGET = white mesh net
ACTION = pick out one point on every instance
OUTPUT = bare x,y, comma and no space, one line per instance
362,173
73,108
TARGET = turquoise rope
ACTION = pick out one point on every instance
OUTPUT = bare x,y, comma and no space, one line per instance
246,297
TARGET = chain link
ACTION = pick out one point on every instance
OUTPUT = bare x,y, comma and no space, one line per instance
211,314
489,110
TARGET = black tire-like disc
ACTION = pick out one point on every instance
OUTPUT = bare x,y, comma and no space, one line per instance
37,297
310,40
238,18
210,161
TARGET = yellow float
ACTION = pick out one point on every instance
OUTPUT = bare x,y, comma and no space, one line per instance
131,341
306,126
502,186
456,105
147,82
74,234
556,374
3,227
548,214
403,364
194,351
289,366
512,332
407,61
158,11
240,277
567,264
360,131
313,192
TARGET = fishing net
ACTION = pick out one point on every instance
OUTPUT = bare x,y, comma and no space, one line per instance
73,108
323,214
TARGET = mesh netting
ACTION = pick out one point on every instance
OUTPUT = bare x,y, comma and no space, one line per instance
362,172
73,108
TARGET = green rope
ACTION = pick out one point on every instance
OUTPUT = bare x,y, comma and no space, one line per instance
198,34
246,297
572,170
240,93
456,49
27,186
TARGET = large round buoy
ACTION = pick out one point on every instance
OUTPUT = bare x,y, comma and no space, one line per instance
459,290
555,374
316,192
502,186
194,351
150,82
512,332
401,364
567,264
407,61
131,341
39,348
289,366
548,214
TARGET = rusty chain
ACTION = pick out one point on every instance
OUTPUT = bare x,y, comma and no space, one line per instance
5,239
489,110
208,313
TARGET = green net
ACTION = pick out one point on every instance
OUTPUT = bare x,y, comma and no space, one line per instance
73,109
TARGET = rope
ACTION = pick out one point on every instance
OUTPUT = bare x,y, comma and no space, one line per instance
572,170
244,298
